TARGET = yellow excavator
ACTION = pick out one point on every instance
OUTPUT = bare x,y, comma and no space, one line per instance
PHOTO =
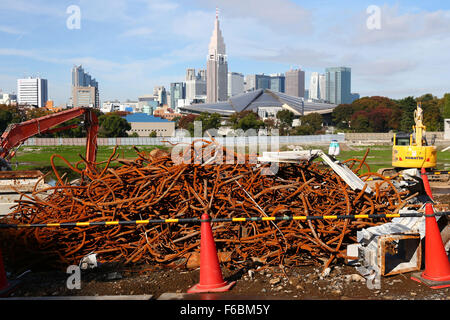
411,150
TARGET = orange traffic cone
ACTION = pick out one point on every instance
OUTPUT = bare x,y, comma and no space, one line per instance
211,279
437,266
426,183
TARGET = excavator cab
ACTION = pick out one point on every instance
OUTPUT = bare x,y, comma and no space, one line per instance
402,139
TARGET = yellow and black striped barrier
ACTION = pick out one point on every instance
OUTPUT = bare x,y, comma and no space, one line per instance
196,220
437,172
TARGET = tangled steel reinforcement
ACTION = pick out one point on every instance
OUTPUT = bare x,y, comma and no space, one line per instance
152,186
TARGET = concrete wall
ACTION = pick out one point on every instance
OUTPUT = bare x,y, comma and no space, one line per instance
316,139
384,137
446,129
143,129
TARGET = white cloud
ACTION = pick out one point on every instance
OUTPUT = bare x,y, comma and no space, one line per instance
397,28
284,16
11,30
137,32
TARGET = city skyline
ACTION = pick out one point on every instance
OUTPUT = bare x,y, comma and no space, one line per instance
130,53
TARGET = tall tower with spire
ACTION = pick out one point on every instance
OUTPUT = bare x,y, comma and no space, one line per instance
216,67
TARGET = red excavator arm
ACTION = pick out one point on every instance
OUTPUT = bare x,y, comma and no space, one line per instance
17,133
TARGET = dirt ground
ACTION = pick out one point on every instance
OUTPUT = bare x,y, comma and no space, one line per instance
298,283
293,283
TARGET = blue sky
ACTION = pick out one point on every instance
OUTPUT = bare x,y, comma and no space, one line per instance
132,46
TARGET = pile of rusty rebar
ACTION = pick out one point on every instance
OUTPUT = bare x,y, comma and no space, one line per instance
152,186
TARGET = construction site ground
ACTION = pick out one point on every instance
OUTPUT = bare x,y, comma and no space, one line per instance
292,283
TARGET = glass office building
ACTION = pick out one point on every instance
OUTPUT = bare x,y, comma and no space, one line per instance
338,85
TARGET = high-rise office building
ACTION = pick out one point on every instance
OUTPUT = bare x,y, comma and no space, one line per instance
277,82
257,81
32,92
195,85
235,83
317,87
81,82
314,92
177,91
216,67
354,96
322,87
295,83
84,97
160,95
338,85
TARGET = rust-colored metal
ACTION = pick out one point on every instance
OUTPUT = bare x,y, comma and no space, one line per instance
152,186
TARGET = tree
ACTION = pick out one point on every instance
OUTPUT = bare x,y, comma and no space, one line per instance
269,124
314,120
379,119
5,119
303,130
407,105
342,115
112,125
246,120
185,120
134,135
208,120
286,117
153,134
432,116
446,106
360,122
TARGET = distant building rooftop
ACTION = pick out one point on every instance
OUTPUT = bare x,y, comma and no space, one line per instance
259,99
143,117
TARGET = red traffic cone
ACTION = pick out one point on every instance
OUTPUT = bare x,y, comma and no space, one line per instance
426,183
211,279
437,266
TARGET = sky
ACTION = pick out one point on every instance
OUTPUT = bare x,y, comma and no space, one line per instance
394,48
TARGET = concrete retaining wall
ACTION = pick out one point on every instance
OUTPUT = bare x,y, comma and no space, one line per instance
139,141
385,137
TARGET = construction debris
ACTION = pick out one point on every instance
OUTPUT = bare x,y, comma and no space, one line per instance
154,187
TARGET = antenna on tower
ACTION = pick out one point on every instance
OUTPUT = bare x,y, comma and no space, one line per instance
217,13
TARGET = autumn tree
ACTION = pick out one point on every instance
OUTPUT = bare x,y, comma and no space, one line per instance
245,120
342,115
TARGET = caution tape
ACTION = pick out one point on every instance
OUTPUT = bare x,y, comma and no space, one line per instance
196,220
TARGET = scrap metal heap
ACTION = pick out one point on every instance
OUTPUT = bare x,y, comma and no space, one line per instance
152,186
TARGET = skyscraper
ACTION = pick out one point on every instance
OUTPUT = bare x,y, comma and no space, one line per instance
216,67
177,91
314,91
32,92
338,85
82,94
277,82
322,87
257,81
295,83
159,92
195,85
235,83
317,86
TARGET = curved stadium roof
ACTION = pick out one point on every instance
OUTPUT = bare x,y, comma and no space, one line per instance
258,99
